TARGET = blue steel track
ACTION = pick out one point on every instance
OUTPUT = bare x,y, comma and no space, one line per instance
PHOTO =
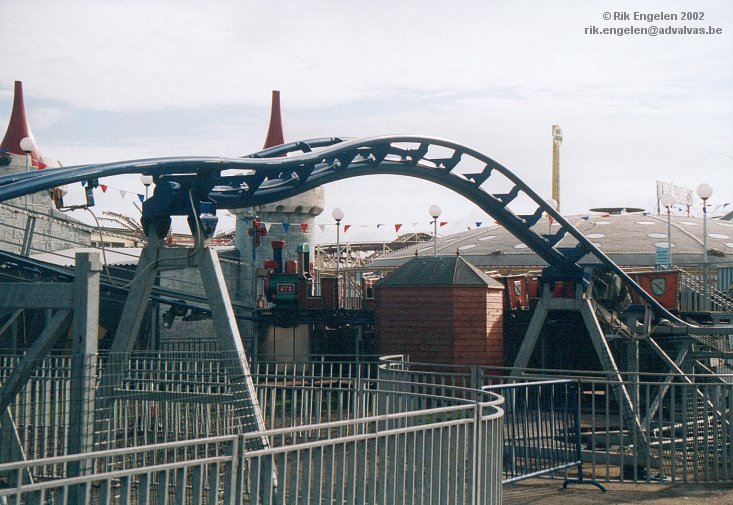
289,169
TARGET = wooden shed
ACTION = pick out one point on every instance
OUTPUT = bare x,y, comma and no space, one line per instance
440,310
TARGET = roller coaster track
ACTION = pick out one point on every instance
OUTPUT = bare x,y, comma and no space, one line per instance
289,169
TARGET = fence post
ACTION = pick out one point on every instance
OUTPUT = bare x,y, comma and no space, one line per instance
477,453
83,368
237,485
475,379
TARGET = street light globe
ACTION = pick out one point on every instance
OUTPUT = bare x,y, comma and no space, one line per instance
337,214
704,191
435,211
147,180
552,203
26,144
668,200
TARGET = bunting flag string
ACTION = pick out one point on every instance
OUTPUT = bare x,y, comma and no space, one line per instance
306,228
123,192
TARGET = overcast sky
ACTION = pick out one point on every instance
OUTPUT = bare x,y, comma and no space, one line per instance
109,81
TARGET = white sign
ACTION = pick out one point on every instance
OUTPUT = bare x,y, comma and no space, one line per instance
682,195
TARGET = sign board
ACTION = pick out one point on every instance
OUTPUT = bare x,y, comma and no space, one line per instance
286,289
683,196
662,257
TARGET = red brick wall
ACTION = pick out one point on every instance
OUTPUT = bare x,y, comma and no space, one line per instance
415,321
441,325
478,336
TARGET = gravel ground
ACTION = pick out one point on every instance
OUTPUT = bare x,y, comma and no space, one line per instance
550,492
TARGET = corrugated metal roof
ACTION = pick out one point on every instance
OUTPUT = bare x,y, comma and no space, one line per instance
439,271
628,239
114,255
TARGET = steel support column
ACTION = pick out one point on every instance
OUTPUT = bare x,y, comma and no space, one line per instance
83,368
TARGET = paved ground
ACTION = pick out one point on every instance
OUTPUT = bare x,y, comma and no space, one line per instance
550,492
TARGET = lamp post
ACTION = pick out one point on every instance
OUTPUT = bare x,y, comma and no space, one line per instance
668,200
435,214
705,191
338,215
147,180
26,145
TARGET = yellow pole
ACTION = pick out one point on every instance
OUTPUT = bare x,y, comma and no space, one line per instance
556,141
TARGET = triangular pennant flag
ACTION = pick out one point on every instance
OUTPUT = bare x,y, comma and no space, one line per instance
141,197
443,223
478,224
286,226
397,228
267,225
83,183
123,193
304,227
346,227
322,227
104,188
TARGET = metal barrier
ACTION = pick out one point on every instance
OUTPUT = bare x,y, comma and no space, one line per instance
336,432
685,420
541,430
541,418
692,288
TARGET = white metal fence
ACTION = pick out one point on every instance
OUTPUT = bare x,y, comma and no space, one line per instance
683,420
337,433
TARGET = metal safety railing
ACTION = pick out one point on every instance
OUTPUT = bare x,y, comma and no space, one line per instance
335,431
684,420
541,422
692,289
541,430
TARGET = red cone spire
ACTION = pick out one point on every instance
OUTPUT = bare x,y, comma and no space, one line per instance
275,135
18,129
